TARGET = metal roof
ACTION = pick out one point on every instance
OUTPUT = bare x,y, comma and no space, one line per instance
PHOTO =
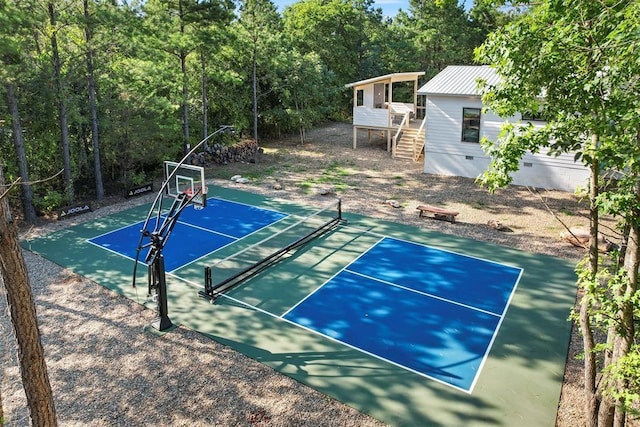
459,80
396,77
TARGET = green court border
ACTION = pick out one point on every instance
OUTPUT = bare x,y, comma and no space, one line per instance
520,382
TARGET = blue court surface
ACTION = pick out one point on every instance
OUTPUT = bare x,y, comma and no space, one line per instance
433,312
201,232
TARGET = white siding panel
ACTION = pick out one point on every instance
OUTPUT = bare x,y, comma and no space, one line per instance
445,154
542,175
444,125
456,165
370,117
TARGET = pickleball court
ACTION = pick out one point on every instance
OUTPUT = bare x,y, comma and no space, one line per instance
381,316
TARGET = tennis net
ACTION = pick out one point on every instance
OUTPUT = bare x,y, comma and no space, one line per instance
242,265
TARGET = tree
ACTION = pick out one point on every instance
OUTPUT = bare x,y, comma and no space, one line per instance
61,102
307,92
440,32
575,62
334,30
260,25
93,106
13,275
11,43
174,29
18,141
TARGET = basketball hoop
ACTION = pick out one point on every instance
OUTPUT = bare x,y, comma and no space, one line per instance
200,198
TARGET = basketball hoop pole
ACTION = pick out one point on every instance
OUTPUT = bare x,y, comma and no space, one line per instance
155,260
156,278
158,282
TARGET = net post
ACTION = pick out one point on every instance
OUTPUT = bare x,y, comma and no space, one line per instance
340,209
208,284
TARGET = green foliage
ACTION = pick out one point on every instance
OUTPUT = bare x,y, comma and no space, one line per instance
625,372
154,59
50,202
573,62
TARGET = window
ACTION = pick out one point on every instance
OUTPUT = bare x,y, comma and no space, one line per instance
359,98
471,125
528,116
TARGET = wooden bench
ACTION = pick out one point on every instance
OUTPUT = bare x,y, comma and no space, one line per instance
438,213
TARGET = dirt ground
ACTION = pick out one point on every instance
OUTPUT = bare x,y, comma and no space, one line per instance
100,362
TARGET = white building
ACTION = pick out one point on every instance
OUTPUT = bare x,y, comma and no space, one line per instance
456,122
388,104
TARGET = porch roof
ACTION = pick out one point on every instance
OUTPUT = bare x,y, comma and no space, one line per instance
395,77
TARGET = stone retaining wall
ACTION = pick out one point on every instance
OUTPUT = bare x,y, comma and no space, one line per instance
243,151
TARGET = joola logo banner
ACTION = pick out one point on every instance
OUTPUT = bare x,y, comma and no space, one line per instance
138,191
73,210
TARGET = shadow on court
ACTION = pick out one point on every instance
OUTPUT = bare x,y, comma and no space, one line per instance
519,382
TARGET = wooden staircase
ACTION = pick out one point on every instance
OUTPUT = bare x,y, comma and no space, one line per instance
410,144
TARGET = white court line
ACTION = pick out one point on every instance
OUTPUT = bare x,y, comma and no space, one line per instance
495,333
346,344
373,233
163,216
426,294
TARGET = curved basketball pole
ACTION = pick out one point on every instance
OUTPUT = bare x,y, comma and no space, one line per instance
157,203
161,232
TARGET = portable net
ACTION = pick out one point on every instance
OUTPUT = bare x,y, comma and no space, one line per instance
246,263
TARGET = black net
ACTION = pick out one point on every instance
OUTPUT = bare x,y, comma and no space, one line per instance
250,261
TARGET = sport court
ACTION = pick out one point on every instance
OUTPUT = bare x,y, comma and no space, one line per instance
412,327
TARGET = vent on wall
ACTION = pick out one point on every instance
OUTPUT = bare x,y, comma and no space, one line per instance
527,165
468,157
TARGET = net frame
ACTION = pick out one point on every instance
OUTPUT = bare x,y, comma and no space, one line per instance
190,182
212,291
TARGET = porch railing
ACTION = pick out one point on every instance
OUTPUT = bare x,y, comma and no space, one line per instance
398,135
419,145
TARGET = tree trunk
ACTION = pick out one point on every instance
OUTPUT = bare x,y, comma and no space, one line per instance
93,107
62,108
254,85
13,273
185,102
205,106
26,192
592,399
185,91
624,341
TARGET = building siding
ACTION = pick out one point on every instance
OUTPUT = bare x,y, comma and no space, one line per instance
446,154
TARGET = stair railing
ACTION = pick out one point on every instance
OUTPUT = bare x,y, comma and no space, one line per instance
398,135
417,148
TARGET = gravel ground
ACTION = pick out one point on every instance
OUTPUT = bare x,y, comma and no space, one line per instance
106,369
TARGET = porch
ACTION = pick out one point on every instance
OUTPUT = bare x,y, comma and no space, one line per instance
405,136
389,104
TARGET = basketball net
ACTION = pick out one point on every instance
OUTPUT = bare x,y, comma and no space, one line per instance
201,195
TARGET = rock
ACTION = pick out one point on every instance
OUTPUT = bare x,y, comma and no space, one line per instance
235,178
242,180
325,191
497,225
392,203
580,237
277,186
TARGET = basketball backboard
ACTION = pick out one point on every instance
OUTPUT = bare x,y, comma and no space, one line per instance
189,179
